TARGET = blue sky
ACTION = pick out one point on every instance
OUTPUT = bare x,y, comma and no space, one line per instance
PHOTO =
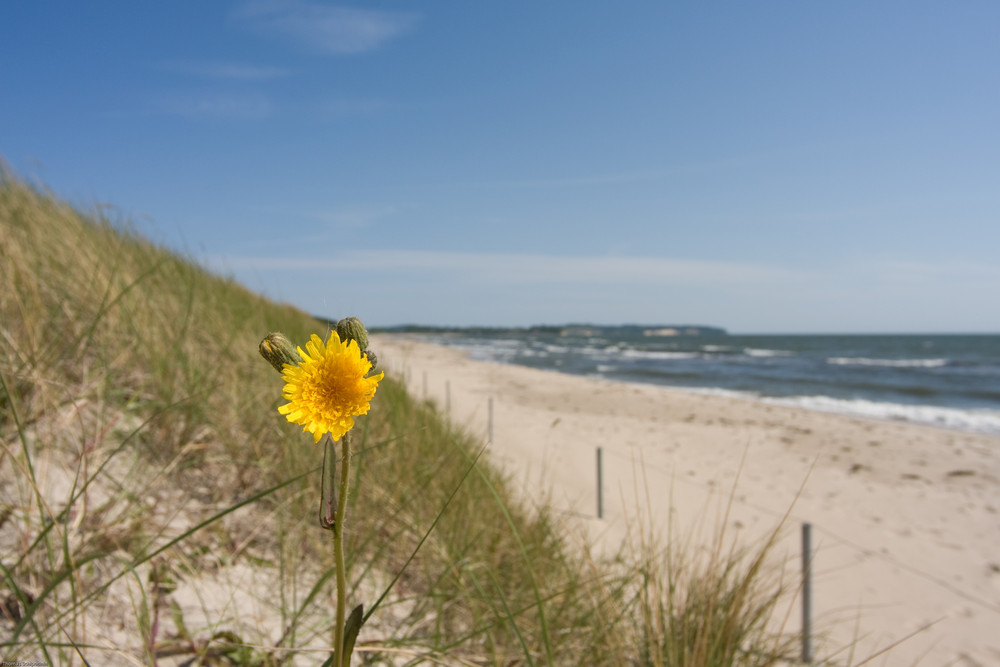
764,167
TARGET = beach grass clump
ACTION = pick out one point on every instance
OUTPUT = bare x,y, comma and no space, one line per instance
708,603
155,507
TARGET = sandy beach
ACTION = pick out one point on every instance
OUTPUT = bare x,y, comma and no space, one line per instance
905,518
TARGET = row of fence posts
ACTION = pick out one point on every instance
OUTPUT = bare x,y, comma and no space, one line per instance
806,531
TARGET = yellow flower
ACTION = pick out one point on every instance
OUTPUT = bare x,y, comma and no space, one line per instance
328,388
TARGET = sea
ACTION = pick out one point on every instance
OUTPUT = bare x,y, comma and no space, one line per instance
949,381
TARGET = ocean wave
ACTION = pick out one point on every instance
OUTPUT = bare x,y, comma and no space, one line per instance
659,354
754,352
981,421
499,351
889,363
719,391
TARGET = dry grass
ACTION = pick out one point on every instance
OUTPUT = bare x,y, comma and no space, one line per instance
155,508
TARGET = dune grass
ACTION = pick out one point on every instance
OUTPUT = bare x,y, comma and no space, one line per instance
156,509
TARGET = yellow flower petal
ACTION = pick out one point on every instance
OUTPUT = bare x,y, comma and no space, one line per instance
329,388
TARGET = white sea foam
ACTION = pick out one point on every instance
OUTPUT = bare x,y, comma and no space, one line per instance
718,391
889,363
500,350
980,421
754,352
659,354
983,421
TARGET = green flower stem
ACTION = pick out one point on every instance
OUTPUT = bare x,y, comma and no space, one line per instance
328,488
340,658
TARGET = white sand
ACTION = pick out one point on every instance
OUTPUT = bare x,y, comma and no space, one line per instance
906,518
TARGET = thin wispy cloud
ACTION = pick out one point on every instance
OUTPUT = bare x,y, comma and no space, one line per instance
323,28
215,106
353,217
341,107
505,288
855,278
904,275
232,71
511,268
595,179
719,164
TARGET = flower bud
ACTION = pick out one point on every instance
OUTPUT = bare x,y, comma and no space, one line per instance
373,360
351,328
278,351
